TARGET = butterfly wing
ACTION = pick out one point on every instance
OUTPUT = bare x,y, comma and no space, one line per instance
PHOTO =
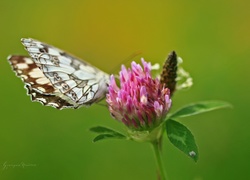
39,87
62,77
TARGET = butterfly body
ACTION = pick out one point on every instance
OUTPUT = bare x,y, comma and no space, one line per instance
58,79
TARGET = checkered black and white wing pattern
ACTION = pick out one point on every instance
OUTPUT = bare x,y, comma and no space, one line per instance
39,87
57,78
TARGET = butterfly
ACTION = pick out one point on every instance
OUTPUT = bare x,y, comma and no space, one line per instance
56,78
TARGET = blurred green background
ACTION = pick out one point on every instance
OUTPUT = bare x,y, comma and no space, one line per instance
211,36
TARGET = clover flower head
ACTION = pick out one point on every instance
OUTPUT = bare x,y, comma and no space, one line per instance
140,102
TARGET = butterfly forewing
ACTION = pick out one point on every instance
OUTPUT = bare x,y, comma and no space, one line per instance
59,75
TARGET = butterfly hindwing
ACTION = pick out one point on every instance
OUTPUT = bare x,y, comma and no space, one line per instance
75,81
39,87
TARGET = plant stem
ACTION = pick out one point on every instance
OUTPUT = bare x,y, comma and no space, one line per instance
157,149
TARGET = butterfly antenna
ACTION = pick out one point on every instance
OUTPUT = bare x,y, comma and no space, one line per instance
136,53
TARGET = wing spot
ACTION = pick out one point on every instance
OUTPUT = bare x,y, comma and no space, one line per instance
41,89
57,77
24,76
36,73
22,66
14,61
33,55
41,100
73,94
43,50
28,61
65,86
42,81
55,61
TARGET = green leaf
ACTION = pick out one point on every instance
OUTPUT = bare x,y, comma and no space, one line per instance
107,136
198,108
106,133
182,138
102,129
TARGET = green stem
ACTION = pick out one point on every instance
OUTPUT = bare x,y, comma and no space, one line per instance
158,155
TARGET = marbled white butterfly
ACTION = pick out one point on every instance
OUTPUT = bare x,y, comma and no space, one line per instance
58,79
